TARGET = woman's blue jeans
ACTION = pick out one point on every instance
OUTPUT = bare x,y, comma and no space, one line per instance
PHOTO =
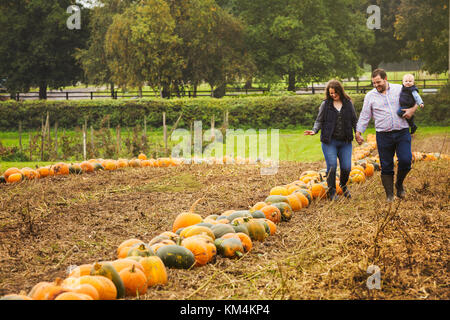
341,150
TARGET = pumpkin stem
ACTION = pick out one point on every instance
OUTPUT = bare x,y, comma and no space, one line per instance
239,254
133,268
191,210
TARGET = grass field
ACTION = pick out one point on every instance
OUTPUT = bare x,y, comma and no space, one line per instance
294,146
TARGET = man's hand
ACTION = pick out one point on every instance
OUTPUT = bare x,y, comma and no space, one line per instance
359,138
309,133
409,112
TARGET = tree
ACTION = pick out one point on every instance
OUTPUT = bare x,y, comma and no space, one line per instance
93,58
386,47
37,47
141,46
424,26
305,40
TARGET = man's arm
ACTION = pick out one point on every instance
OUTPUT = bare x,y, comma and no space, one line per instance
409,112
364,118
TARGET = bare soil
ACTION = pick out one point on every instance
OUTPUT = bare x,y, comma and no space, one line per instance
324,252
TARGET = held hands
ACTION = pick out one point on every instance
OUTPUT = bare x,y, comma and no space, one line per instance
359,138
309,133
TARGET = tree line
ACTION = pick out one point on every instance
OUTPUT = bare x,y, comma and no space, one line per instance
173,44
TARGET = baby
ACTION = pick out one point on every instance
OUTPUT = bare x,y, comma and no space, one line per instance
408,98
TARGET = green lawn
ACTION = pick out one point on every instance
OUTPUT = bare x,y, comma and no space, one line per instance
294,146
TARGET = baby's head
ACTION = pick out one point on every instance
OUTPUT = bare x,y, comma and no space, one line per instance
408,80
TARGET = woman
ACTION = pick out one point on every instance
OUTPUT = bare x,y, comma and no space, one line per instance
337,120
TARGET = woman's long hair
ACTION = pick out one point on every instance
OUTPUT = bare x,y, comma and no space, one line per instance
338,88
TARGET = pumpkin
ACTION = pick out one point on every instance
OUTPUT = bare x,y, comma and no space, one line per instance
154,270
82,270
122,163
121,253
10,171
272,213
155,247
84,288
158,239
172,236
239,214
292,187
369,170
275,199
198,247
257,206
134,280
47,290
220,229
258,214
196,229
98,167
135,163
105,287
294,202
15,177
229,248
227,213
73,296
279,190
256,230
240,227
285,210
29,173
186,219
87,167
61,168
75,169
121,264
142,156
107,270
272,226
244,238
318,190
109,165
2,179
175,256
306,194
140,249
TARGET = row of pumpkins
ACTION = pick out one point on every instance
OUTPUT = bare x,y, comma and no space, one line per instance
14,175
193,241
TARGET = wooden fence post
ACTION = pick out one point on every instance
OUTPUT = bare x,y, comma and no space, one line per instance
20,136
118,142
84,138
56,139
92,142
165,133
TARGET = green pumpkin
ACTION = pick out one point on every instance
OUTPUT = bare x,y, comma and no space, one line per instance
212,216
204,224
141,250
258,214
285,209
75,170
220,229
107,270
2,179
230,248
275,199
221,218
239,214
175,256
179,231
98,166
241,228
256,230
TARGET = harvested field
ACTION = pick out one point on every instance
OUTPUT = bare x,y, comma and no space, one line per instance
46,226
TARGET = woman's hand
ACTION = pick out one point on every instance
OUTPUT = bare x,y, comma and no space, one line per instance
309,133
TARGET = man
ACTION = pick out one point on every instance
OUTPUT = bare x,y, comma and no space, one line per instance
392,131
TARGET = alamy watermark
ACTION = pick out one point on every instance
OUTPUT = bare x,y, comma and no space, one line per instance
374,20
240,146
74,21
374,280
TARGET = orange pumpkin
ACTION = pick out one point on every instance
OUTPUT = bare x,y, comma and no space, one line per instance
304,200
73,296
47,290
135,163
294,202
318,190
258,206
61,169
10,171
121,264
87,166
162,243
245,240
198,247
104,286
134,280
122,250
142,157
272,226
84,288
122,163
43,172
15,177
154,270
29,173
186,219
369,170
82,270
272,213
109,165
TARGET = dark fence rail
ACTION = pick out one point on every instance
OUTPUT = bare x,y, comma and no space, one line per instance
356,86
